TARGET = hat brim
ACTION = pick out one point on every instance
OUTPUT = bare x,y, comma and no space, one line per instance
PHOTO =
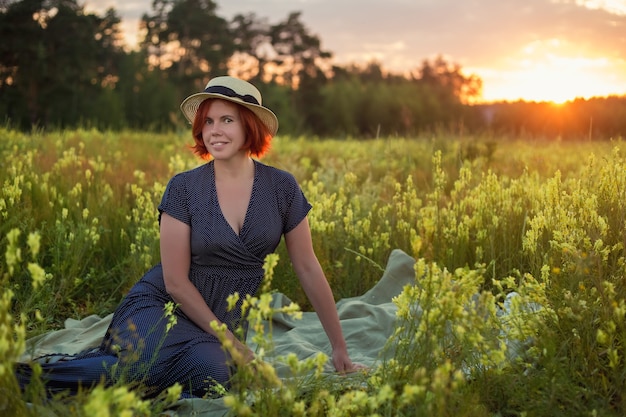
190,105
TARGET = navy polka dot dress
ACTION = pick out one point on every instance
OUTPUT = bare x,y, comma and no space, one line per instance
136,347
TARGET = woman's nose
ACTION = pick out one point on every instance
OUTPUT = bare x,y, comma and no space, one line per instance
216,129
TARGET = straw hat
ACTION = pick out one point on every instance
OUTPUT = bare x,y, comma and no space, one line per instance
235,90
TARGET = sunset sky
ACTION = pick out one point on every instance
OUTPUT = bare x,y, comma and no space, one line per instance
530,49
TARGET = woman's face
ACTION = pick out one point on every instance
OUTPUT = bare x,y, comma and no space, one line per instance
223,132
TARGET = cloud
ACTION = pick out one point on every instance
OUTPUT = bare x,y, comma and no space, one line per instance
473,32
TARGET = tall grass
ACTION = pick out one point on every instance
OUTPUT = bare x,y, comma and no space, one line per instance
485,219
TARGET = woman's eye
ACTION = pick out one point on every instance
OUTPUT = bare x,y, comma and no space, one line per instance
208,121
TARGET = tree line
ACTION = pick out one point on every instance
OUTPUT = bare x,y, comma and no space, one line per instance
61,67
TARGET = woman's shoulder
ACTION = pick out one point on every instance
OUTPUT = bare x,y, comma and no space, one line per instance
192,174
199,170
276,174
188,182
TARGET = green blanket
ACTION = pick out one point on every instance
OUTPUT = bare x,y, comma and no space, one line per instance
367,322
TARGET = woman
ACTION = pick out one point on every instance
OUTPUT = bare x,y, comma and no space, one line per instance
217,224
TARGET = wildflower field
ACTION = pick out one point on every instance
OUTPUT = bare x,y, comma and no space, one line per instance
485,218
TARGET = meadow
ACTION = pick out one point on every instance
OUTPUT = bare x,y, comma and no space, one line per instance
483,216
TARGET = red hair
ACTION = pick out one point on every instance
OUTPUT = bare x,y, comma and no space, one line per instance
258,136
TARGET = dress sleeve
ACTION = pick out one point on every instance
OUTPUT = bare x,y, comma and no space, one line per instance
297,206
175,201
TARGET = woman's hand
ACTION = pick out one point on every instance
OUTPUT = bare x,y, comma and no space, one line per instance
246,355
245,351
343,364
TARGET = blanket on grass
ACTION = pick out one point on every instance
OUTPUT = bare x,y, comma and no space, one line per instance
367,322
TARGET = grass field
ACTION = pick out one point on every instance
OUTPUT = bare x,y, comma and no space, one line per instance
487,216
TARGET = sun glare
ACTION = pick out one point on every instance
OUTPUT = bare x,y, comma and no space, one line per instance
548,71
560,80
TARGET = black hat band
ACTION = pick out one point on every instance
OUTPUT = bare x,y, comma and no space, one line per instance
228,92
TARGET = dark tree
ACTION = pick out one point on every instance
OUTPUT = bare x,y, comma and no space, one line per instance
110,47
253,44
188,40
20,67
54,59
448,79
296,50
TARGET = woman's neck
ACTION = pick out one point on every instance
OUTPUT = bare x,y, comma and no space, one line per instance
234,168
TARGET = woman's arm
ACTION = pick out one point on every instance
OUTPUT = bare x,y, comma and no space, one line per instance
315,285
176,260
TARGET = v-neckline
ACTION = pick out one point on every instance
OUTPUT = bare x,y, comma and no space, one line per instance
219,207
